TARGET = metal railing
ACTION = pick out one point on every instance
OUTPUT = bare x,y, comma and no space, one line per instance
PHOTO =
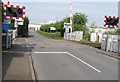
7,38
75,36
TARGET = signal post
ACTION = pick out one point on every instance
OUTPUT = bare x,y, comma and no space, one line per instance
12,12
0,40
110,22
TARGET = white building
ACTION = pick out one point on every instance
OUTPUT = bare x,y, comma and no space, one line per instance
33,26
97,33
52,22
99,29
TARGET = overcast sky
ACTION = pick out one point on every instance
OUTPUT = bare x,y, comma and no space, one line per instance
49,10
63,0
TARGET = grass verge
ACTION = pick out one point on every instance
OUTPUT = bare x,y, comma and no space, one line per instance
56,35
86,41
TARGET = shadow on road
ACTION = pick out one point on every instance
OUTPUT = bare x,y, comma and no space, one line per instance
15,62
8,56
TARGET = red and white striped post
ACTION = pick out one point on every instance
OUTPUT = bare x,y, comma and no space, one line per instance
9,2
71,16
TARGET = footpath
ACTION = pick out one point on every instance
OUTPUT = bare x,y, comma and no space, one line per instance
16,62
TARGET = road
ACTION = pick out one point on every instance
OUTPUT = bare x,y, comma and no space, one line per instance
66,60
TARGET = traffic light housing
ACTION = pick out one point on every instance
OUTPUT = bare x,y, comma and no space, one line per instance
14,12
111,22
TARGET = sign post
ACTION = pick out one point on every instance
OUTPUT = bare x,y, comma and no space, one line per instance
0,40
12,12
6,27
110,22
107,40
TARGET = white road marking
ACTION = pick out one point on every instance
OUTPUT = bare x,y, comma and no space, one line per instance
50,52
84,62
59,53
71,56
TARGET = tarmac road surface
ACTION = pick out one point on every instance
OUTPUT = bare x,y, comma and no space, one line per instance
66,60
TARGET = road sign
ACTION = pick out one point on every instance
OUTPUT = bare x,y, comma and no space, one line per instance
6,26
7,21
66,25
20,22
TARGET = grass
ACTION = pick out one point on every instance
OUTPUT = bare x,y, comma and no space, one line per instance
86,41
56,35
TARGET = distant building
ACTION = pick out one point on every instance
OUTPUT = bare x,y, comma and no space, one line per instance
97,33
99,29
52,22
33,26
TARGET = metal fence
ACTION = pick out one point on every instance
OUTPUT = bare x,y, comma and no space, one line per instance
7,40
113,43
8,37
75,36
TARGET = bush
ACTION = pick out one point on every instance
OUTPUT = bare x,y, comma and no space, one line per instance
86,36
116,32
56,35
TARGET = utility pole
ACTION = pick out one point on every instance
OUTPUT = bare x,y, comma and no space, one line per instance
0,40
57,24
44,24
71,17
107,40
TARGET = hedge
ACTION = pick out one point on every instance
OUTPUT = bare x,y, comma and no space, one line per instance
56,35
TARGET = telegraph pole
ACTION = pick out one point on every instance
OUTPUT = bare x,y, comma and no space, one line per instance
44,24
57,23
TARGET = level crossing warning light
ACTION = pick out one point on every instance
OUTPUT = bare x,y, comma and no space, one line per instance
111,21
14,12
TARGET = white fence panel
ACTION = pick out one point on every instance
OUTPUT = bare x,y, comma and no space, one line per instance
75,36
112,43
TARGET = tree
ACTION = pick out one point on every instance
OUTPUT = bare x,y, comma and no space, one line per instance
23,29
79,21
116,32
12,24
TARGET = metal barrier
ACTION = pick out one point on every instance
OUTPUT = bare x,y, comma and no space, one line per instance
75,36
113,42
7,40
